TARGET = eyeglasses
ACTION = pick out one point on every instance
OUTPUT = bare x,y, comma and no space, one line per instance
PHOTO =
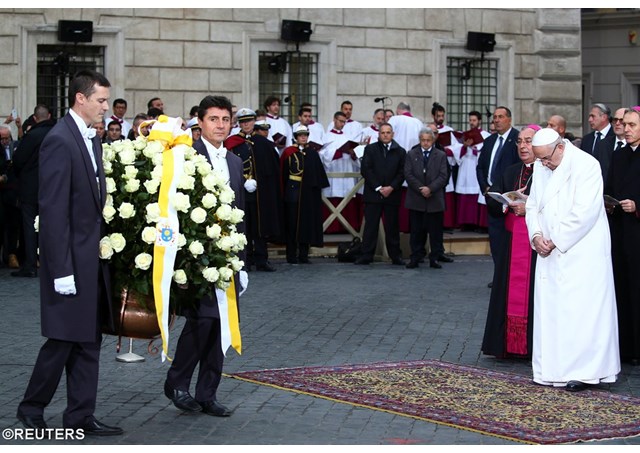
618,120
520,141
550,156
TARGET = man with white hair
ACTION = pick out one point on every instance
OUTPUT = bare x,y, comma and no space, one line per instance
575,336
405,126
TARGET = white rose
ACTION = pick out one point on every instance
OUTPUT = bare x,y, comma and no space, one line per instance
107,153
105,248
36,224
149,235
225,273
239,240
126,210
196,248
198,215
181,202
117,146
151,185
108,201
210,274
152,148
132,185
236,215
143,261
219,180
180,277
225,243
204,168
140,143
108,212
214,231
236,264
226,195
189,168
156,159
111,185
224,212
130,172
209,200
156,173
128,144
186,182
153,213
209,182
127,156
182,240
108,167
190,153
117,242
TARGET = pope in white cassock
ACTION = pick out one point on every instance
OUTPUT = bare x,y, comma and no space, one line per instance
575,328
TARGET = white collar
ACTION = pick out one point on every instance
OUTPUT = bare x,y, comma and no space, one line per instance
213,151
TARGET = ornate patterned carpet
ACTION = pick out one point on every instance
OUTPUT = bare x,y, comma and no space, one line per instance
499,404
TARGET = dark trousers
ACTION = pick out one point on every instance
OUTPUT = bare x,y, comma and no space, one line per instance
295,250
497,233
256,248
421,225
29,213
199,342
372,214
81,362
12,231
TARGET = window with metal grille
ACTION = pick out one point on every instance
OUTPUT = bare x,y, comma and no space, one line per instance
56,66
471,85
291,76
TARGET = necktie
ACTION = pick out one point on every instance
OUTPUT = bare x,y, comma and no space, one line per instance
386,150
425,157
496,158
619,145
595,141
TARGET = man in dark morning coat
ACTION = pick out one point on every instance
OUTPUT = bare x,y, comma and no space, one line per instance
200,340
499,151
427,173
382,168
73,280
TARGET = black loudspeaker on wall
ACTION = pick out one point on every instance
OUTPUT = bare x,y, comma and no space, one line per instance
75,31
483,42
295,30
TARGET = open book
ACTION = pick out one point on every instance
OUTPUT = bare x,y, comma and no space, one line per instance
610,201
508,197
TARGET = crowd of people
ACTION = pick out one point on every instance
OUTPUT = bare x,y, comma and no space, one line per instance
562,214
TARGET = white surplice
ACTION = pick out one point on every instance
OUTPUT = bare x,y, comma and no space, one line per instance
406,130
338,187
575,328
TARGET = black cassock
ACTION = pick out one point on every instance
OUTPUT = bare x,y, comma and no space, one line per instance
505,334
623,182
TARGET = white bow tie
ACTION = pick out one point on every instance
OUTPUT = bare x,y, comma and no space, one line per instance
221,153
89,133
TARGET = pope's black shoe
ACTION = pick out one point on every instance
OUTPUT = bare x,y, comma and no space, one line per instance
97,428
413,265
215,408
576,386
32,421
181,399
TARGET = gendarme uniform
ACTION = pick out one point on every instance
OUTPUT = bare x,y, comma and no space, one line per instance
303,178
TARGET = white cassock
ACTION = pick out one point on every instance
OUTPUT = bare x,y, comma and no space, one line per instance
370,134
352,129
316,132
575,327
338,187
280,125
406,130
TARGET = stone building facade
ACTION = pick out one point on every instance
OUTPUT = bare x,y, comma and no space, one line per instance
181,55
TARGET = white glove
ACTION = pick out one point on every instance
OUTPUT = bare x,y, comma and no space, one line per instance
250,185
244,281
65,285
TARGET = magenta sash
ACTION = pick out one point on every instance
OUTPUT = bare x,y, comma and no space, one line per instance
518,285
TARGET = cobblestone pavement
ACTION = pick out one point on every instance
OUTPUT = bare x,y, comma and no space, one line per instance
326,313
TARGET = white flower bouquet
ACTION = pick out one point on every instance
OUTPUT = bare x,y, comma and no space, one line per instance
208,242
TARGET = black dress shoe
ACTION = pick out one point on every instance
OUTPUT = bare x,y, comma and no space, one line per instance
576,386
412,265
266,267
490,285
397,262
304,261
24,273
32,421
216,409
96,428
181,399
362,261
435,265
445,259
292,261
